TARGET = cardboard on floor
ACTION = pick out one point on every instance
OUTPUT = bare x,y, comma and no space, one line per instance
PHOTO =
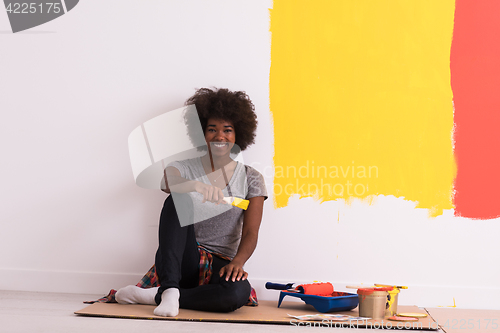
453,320
266,313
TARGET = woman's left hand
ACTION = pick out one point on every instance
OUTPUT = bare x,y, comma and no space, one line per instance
233,271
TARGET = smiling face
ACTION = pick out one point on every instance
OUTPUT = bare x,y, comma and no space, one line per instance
220,137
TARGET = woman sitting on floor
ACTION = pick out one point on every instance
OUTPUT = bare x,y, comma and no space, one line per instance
224,233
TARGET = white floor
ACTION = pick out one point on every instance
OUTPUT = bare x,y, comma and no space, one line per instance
29,312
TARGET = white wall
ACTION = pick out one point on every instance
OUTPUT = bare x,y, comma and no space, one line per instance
72,219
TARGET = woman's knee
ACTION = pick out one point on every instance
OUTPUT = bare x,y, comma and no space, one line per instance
177,209
181,205
236,295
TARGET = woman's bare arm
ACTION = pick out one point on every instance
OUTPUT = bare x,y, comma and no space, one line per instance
249,235
173,182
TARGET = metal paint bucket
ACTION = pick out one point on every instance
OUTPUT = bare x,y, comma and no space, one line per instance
373,302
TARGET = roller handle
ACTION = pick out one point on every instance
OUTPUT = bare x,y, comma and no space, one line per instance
278,286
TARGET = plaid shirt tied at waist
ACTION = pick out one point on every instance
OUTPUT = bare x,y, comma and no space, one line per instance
150,279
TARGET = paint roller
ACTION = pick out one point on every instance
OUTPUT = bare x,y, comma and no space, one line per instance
318,289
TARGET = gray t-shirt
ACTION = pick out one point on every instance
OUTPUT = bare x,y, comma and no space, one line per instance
218,227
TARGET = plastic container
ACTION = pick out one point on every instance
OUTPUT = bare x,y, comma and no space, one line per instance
373,302
339,301
392,302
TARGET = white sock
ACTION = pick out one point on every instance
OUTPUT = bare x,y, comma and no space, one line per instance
136,295
169,306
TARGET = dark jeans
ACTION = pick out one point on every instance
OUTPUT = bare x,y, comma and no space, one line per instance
177,262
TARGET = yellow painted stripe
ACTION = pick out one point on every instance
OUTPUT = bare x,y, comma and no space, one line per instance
361,100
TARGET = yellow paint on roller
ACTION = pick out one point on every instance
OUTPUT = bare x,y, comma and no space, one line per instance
361,100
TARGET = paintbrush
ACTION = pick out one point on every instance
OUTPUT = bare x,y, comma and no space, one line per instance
237,202
387,285
377,285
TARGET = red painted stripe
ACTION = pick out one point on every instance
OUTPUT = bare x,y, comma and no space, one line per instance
475,81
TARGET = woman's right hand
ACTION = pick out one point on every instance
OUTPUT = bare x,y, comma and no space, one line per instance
210,193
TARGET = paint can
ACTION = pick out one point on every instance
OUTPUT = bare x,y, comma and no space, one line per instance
392,302
373,302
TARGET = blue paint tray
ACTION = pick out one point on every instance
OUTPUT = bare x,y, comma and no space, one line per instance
339,301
